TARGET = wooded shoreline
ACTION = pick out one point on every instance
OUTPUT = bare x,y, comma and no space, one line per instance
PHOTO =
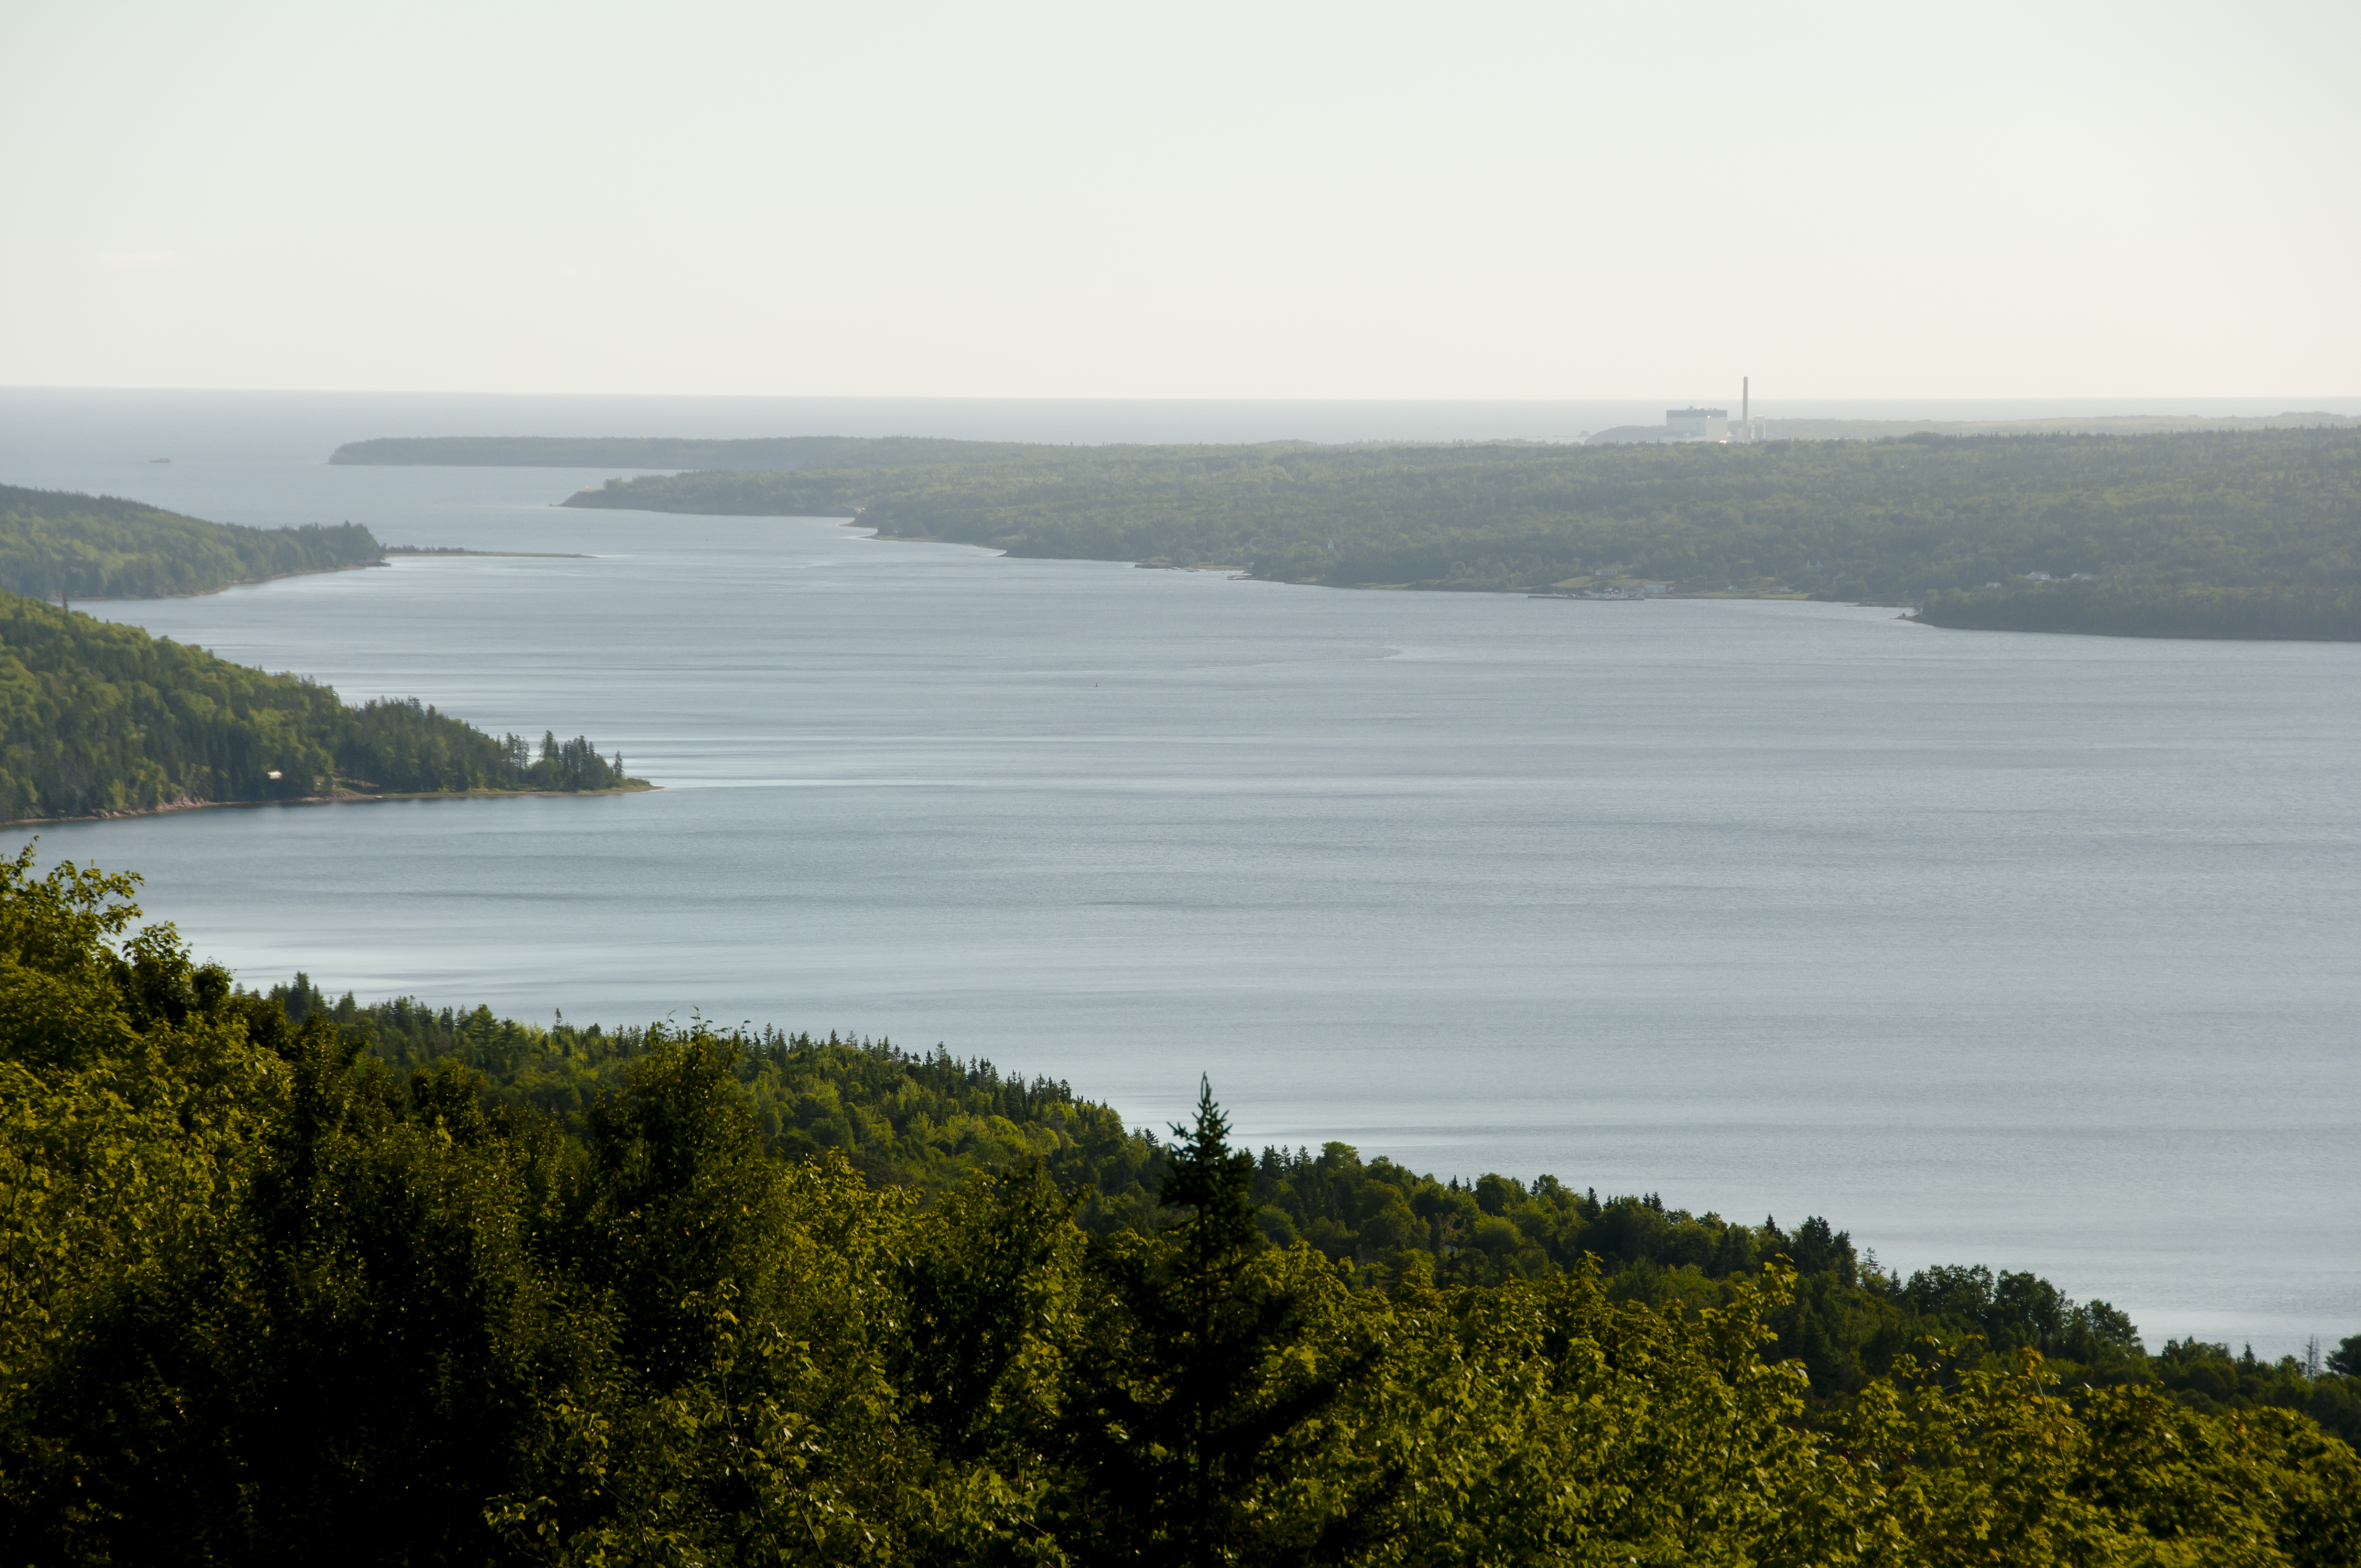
347,798
2247,535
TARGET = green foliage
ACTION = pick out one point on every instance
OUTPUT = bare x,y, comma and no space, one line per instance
2310,613
128,1096
2168,525
57,544
366,1315
926,1120
99,718
2208,1377
1182,1411
930,1121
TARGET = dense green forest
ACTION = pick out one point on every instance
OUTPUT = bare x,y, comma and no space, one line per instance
2152,609
778,455
2164,524
930,1121
271,1297
97,718
58,546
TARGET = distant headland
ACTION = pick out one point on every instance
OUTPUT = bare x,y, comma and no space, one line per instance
2138,526
57,544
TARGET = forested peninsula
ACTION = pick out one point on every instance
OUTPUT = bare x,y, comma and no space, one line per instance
293,1282
102,719
55,544
2234,533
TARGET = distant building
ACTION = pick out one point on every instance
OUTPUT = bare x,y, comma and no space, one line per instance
1700,424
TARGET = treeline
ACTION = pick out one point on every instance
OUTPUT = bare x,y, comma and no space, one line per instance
925,1121
929,1121
268,1298
59,546
2152,609
2084,424
780,454
1889,522
97,718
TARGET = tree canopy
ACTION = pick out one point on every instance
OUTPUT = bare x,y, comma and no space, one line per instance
58,546
97,717
2211,533
927,1121
270,1298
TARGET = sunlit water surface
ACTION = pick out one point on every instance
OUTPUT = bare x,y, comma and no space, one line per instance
2037,951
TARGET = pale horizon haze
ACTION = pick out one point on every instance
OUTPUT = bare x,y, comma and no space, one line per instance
1220,201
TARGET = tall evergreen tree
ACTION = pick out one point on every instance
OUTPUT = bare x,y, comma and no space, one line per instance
1187,1397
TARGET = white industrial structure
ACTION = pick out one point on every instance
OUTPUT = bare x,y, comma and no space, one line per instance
1714,424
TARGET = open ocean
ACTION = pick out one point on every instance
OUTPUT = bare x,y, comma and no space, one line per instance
2033,951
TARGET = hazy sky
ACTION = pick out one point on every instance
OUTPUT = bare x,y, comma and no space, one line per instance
1267,200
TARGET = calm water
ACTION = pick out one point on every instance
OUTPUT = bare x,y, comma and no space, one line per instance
2033,951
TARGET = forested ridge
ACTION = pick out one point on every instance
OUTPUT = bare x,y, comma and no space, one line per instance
288,1283
2206,534
55,544
98,717
931,1120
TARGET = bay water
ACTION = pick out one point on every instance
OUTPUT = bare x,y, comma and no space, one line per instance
2033,951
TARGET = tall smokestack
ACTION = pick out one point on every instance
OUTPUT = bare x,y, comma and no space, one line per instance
1745,399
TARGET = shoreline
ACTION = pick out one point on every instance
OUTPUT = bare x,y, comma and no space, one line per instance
385,560
1241,575
429,553
349,797
241,583
1910,609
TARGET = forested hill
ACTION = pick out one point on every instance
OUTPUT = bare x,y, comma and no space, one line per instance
930,1121
98,719
2158,521
56,544
783,455
266,1297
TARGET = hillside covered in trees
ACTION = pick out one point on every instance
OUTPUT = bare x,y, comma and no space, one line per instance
97,718
58,546
929,1121
269,1298
2162,524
